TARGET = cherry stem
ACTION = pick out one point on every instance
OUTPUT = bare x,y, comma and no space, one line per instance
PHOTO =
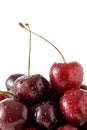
51,45
7,92
29,56
28,29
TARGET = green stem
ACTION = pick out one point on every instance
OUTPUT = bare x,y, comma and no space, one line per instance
29,53
25,27
7,92
51,45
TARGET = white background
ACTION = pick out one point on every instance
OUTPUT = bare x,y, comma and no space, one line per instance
63,22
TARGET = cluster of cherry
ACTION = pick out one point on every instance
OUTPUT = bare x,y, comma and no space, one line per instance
34,103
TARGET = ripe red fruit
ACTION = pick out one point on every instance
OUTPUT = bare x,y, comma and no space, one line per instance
13,114
67,127
2,96
10,81
65,76
46,115
73,105
31,89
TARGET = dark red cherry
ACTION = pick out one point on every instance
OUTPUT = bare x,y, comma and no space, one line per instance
46,115
13,114
2,96
67,127
31,89
10,81
66,76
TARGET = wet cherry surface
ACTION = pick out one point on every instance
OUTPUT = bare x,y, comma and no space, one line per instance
32,89
35,103
13,114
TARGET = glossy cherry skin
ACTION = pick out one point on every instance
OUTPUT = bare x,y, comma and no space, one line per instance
13,114
73,105
66,76
10,81
2,96
46,115
67,127
31,89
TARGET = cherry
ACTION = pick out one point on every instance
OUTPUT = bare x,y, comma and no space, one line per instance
10,81
46,115
13,114
63,76
73,105
2,96
66,76
31,89
67,127
45,109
